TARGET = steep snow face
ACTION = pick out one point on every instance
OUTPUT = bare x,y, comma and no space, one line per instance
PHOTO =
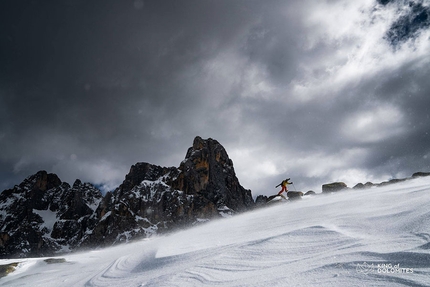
373,237
48,219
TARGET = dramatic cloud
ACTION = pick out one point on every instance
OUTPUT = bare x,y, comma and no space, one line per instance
318,91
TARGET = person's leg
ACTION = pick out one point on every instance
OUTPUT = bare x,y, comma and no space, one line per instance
282,190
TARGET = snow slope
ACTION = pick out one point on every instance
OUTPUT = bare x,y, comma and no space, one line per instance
374,237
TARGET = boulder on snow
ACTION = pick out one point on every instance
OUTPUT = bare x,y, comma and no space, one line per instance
391,181
310,192
369,184
7,268
420,174
294,194
335,186
55,260
364,186
260,200
359,186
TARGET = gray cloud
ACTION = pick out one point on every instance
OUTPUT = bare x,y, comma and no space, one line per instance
311,91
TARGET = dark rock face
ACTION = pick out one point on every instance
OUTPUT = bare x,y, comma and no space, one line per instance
155,199
294,194
208,171
44,216
364,186
391,181
332,187
261,200
420,174
359,186
76,213
142,205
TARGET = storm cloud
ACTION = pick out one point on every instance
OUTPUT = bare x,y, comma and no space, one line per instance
318,91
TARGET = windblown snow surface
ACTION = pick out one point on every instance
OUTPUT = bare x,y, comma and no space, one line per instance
373,237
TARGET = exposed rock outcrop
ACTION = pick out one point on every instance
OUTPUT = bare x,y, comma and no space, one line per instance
420,174
391,181
261,200
208,171
333,187
294,194
366,185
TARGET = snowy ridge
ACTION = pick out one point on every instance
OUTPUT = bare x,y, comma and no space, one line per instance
373,237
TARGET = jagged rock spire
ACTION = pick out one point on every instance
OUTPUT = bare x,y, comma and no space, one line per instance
208,170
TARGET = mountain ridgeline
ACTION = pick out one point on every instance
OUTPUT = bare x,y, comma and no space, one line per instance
44,216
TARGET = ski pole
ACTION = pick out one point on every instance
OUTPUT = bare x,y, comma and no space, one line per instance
294,186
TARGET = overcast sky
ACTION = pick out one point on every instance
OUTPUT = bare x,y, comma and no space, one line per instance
317,91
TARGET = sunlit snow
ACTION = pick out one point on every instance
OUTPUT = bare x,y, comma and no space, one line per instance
372,237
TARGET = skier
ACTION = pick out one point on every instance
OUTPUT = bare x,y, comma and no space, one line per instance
284,184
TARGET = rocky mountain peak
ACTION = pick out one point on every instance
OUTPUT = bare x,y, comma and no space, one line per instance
43,215
207,170
204,150
154,198
41,181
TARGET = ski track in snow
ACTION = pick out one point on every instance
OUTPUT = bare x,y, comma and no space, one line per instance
323,240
